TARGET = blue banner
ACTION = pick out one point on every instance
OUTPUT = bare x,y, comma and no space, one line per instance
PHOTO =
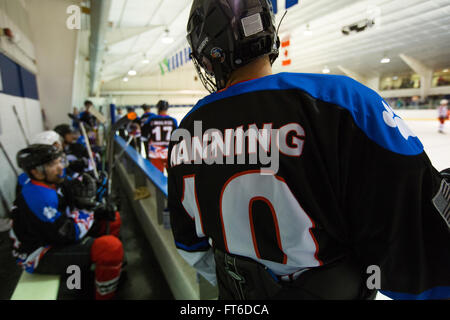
290,3
274,6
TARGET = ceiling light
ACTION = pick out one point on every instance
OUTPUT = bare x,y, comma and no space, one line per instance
326,70
308,31
445,70
132,72
167,39
125,79
385,60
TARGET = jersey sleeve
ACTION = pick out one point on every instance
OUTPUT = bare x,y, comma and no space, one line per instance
195,250
57,227
394,202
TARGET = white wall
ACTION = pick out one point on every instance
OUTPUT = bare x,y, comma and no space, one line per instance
14,15
56,48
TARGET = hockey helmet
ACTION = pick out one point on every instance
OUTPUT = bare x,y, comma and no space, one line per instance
226,34
37,155
47,137
64,129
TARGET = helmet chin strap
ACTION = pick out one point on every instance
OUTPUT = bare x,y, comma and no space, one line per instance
221,81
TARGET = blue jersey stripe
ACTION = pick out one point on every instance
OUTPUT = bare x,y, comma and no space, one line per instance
158,117
370,112
201,245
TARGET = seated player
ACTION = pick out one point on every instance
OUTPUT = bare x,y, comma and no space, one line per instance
56,226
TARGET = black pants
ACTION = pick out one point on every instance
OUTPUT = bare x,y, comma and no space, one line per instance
58,259
244,279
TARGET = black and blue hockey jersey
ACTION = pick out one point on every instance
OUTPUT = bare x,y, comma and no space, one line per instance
42,219
296,171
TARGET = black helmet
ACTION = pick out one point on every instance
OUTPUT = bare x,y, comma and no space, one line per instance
227,34
162,105
36,155
63,129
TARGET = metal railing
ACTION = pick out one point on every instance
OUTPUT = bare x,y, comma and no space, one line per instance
134,172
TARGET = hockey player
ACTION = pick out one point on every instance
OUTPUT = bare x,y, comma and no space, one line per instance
299,186
76,152
134,131
86,117
50,138
55,228
158,129
442,114
143,119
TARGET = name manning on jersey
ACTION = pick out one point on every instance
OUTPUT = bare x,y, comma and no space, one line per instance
235,146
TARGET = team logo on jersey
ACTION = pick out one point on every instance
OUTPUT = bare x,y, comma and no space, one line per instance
50,212
394,121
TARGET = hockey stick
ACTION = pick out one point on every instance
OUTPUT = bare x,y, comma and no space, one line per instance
9,160
88,144
110,152
21,125
122,152
5,204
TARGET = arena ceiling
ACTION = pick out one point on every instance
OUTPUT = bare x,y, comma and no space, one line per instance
417,28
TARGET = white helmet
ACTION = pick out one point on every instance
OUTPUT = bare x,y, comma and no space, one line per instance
444,102
48,138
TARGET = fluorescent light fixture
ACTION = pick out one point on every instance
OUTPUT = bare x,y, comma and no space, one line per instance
326,70
308,31
385,60
167,39
125,79
132,72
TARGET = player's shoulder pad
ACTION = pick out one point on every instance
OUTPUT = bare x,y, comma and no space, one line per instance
23,179
370,112
42,201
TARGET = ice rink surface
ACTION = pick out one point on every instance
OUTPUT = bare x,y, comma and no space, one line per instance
437,145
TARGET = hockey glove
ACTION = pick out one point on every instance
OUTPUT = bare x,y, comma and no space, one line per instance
83,190
106,212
